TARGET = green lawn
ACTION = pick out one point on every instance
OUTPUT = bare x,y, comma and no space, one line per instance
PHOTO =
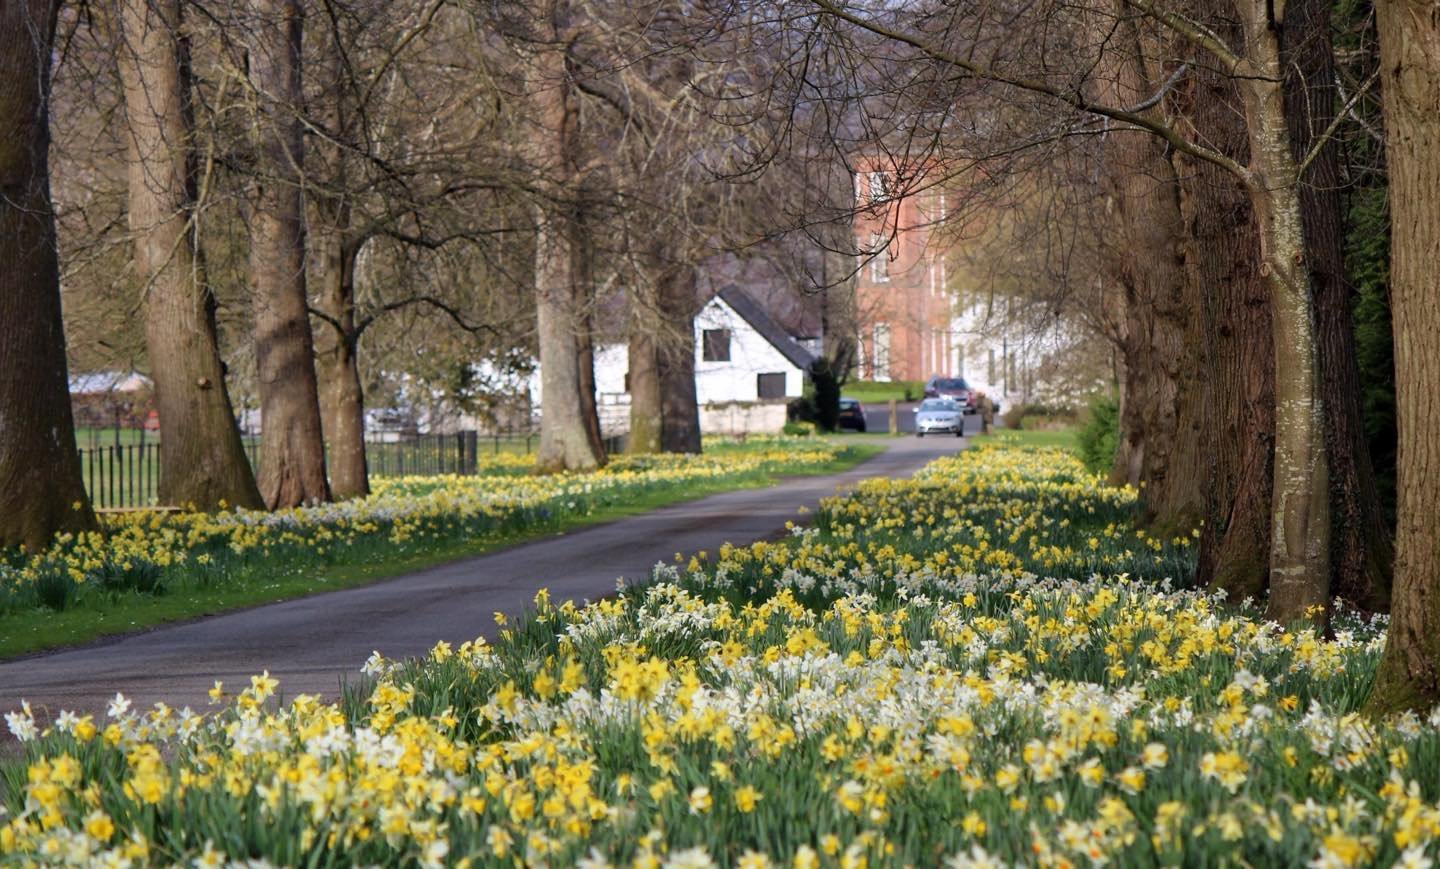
298,572
1064,438
870,391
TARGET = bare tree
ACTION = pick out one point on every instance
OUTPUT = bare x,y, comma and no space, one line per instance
568,440
202,460
292,449
41,491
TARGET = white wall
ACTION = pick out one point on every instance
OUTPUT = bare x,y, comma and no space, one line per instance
715,382
750,356
734,418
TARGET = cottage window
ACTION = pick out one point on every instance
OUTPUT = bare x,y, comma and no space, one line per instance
770,385
716,345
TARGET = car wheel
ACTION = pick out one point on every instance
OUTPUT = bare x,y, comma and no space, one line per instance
959,432
919,434
860,428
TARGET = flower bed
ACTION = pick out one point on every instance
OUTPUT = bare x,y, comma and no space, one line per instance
882,688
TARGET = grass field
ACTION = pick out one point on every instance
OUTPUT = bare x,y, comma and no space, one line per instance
1064,438
868,391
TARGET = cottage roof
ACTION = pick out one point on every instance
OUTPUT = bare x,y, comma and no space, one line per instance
751,312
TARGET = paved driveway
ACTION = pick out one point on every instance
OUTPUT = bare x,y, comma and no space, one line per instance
313,643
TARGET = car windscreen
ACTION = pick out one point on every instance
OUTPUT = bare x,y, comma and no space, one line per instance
937,405
951,384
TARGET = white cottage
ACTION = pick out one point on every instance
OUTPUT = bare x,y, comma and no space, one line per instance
742,356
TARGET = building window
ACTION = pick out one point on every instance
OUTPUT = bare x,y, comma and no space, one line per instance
770,385
882,351
878,188
716,345
879,259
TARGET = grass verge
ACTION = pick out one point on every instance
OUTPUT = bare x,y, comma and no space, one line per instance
272,580
1064,438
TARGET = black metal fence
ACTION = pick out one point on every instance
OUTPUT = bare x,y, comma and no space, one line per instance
123,476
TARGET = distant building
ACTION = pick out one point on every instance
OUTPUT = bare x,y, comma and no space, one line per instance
902,303
105,399
742,356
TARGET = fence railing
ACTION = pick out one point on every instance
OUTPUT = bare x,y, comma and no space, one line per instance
124,476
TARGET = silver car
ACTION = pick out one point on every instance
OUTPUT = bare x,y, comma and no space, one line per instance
939,416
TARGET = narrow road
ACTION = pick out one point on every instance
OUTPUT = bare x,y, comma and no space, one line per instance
877,417
313,643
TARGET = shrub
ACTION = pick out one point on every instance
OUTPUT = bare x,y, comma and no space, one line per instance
1099,437
825,389
799,429
142,577
54,588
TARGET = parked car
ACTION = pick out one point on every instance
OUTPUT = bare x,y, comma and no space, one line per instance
852,414
939,416
954,388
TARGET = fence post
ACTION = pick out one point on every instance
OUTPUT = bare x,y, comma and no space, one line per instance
894,419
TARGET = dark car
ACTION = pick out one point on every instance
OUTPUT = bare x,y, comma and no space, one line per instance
852,414
953,388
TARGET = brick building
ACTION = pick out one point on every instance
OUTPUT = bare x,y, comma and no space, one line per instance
902,305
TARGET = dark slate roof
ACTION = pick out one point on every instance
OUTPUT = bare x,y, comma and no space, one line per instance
751,311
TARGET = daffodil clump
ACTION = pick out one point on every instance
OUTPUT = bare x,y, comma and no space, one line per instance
149,552
818,701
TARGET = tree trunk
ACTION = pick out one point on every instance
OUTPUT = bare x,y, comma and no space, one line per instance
1160,408
337,358
568,441
589,409
292,449
643,379
334,251
1360,547
202,459
41,490
1409,676
1300,510
680,426
1238,389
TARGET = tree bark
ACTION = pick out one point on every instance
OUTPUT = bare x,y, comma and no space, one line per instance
1238,389
680,419
1300,510
337,359
334,251
644,376
41,490
1361,552
1409,676
566,438
292,449
568,441
202,458
1160,403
